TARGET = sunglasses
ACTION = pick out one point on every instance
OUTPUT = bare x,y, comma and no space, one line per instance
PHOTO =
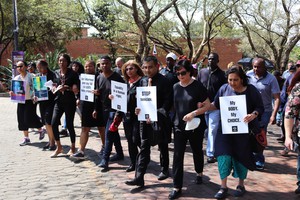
181,73
210,58
19,66
129,69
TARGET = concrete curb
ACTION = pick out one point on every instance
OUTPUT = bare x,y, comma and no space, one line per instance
4,94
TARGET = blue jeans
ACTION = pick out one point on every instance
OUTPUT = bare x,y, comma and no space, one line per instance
265,119
111,137
212,120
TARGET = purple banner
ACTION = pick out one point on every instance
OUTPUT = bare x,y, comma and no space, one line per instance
16,56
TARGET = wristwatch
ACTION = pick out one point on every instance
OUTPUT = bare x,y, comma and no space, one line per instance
255,113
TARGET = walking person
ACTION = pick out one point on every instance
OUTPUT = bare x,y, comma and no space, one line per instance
233,151
103,87
65,102
187,94
212,78
88,120
26,113
47,106
162,127
291,121
268,87
132,74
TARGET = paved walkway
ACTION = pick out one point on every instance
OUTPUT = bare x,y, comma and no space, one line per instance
29,173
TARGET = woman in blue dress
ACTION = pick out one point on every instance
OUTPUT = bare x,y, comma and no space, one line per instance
233,151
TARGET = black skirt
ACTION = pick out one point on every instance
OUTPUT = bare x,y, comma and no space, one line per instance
27,117
87,120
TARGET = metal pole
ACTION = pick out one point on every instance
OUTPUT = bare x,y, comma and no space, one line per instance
16,27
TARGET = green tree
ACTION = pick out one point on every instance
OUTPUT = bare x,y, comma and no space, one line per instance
41,27
271,28
195,23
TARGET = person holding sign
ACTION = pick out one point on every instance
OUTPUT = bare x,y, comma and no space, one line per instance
46,107
87,119
26,112
187,94
103,89
233,151
133,74
160,129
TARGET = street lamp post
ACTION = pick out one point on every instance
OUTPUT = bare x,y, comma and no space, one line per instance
16,27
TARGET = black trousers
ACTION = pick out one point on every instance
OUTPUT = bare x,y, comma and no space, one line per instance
164,156
131,128
195,139
143,157
27,117
69,108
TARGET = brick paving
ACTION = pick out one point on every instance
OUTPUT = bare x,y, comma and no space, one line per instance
29,173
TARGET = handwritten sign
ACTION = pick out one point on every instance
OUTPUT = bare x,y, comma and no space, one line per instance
233,110
18,88
40,90
119,91
146,101
87,84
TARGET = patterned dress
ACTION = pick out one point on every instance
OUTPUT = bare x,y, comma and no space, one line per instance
293,106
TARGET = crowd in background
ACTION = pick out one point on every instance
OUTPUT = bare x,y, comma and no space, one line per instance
185,94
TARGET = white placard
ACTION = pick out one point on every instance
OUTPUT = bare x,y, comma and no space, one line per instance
146,101
87,84
233,110
119,91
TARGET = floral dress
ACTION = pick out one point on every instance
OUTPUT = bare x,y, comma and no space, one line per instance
293,107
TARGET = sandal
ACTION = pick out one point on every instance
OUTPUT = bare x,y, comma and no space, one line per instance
56,153
240,191
222,193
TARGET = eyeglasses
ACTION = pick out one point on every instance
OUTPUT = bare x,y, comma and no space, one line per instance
181,73
129,69
19,66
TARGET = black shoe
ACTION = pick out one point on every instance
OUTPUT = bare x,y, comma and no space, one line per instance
240,191
64,133
297,191
52,148
198,180
137,181
47,146
116,157
130,168
79,155
103,164
174,194
222,193
163,176
211,159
